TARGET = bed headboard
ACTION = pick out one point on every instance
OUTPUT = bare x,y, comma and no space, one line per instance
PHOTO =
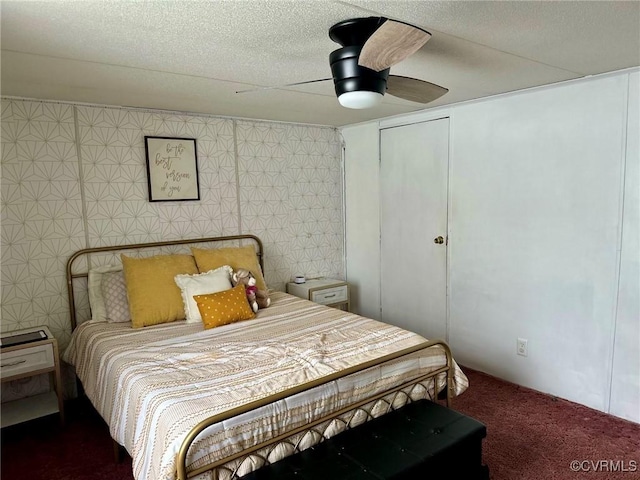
80,262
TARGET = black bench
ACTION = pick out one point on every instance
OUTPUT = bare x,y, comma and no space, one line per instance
420,440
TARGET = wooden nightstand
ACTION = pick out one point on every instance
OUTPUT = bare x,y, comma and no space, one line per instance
27,360
326,291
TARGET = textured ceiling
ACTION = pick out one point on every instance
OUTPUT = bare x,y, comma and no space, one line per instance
194,55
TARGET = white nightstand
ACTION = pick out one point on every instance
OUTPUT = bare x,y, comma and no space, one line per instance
27,360
326,291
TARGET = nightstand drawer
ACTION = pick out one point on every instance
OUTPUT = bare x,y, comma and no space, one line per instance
25,360
328,296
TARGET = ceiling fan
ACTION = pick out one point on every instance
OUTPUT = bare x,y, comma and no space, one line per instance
370,46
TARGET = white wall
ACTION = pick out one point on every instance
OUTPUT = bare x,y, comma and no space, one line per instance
362,209
537,248
625,387
535,181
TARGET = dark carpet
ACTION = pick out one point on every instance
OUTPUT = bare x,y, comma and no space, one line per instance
43,450
530,436
534,436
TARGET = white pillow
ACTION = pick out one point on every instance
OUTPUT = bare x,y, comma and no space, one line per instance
213,281
94,285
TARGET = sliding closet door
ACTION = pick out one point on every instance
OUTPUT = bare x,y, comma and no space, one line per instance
413,215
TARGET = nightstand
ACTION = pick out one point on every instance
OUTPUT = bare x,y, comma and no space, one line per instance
326,291
26,360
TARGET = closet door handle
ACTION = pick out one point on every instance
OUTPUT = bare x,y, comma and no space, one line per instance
439,240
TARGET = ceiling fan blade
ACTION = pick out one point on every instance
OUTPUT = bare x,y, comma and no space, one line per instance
413,89
391,43
284,86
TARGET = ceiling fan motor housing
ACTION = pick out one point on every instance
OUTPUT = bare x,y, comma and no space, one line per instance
348,76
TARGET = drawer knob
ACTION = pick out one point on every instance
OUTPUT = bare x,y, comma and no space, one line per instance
13,364
330,296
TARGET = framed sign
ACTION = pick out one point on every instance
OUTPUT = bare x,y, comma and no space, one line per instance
172,169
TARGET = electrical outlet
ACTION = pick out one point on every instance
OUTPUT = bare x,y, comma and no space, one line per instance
522,347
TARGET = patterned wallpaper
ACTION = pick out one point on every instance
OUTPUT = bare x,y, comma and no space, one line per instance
74,177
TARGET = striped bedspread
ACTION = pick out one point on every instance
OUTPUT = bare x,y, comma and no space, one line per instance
152,385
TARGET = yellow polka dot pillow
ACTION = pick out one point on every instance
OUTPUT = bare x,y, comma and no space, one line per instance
229,306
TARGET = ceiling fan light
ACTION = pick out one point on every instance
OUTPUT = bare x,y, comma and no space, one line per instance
360,99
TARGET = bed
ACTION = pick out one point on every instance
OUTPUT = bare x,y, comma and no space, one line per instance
217,403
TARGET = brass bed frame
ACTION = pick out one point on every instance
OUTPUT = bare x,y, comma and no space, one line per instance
251,454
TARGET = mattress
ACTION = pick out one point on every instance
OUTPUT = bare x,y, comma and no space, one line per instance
153,385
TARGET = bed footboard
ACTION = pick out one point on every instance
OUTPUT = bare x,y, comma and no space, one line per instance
252,454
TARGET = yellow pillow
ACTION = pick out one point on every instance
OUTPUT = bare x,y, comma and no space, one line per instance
229,306
236,257
153,295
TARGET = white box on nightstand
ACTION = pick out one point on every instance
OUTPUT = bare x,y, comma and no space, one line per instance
326,291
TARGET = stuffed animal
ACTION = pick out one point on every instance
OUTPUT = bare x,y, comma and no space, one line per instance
257,298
